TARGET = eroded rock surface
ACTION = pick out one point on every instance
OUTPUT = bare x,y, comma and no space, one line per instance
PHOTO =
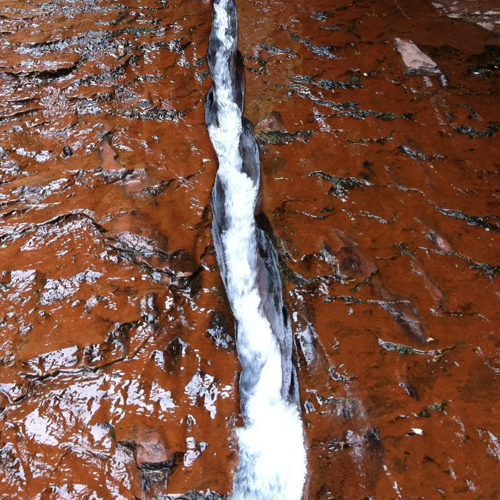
108,283
382,189
381,186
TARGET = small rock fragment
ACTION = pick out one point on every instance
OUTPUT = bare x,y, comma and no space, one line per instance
417,62
272,123
112,171
151,450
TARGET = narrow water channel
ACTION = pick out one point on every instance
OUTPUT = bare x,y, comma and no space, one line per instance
272,461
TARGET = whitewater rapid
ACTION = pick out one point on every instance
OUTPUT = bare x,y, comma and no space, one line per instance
272,458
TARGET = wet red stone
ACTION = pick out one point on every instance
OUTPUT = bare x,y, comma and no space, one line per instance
393,271
381,186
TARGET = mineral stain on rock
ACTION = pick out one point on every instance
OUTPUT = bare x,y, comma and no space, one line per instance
381,188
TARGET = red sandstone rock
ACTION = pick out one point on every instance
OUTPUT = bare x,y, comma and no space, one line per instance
272,123
151,448
381,190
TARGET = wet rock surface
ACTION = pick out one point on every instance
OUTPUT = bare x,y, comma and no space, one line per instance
108,284
386,218
381,186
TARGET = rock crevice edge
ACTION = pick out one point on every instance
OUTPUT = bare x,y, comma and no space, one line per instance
272,455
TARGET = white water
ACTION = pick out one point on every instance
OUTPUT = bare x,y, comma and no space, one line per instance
272,463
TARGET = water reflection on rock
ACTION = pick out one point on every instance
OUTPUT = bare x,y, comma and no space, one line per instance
380,185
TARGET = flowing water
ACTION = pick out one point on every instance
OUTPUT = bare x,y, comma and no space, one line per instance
272,454
377,129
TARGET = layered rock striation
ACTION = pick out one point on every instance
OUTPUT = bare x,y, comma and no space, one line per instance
381,185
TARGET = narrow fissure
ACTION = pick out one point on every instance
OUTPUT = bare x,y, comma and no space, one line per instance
272,459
